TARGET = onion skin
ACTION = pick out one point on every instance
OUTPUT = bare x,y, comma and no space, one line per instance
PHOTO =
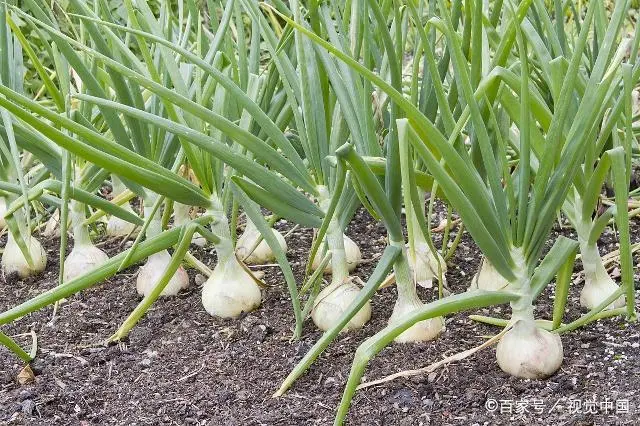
152,271
594,293
333,301
421,331
13,261
117,227
263,253
230,290
52,227
424,266
488,278
529,352
353,254
82,259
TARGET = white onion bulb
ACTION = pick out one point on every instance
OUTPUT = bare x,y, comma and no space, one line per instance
117,227
598,285
352,252
333,301
263,253
152,271
52,228
419,332
14,262
529,352
424,266
488,278
230,290
595,292
82,259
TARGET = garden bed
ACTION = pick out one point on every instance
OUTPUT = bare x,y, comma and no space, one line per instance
182,366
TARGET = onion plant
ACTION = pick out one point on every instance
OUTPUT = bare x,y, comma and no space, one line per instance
23,254
321,116
615,129
511,118
194,132
508,211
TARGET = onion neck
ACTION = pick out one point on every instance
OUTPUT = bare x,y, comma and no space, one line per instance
404,278
522,308
19,217
592,264
335,242
80,231
416,237
155,226
220,228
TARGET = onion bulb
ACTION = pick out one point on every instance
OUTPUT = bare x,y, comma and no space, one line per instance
419,332
598,285
84,256
424,265
262,253
117,227
82,259
150,274
51,228
14,262
529,352
352,252
230,290
488,278
333,301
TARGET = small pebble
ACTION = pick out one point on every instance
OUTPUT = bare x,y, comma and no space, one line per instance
200,279
27,407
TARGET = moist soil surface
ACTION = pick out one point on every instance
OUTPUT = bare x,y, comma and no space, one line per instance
181,366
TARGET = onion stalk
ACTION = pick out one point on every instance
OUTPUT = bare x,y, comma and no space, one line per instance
334,299
407,302
425,262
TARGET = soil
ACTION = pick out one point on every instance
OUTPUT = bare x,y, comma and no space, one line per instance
181,366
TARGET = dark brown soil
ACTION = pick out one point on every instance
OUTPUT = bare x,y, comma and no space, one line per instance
181,366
